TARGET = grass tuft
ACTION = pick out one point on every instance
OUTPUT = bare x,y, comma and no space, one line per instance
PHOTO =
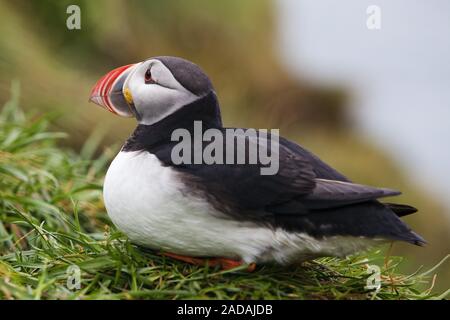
54,231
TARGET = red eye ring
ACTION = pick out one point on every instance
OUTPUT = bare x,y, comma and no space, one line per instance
148,77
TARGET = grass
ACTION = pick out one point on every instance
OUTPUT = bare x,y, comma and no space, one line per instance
54,230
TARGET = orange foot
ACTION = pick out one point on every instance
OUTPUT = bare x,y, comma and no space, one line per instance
223,263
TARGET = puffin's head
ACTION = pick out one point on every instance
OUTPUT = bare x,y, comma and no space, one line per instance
151,90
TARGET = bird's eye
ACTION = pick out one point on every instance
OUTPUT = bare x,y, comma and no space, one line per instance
148,77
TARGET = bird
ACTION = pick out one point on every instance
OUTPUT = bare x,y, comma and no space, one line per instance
228,214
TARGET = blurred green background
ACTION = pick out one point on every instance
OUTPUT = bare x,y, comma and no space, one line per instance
235,43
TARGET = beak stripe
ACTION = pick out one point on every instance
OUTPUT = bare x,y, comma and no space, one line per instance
101,91
107,87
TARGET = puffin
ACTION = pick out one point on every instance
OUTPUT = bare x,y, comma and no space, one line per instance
228,214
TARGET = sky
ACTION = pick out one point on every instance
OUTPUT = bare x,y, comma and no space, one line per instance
398,74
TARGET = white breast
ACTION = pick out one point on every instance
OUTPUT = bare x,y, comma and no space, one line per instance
149,203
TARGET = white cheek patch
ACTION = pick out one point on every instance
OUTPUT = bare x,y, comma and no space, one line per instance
154,102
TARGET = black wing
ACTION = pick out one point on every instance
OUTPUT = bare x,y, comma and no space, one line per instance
304,192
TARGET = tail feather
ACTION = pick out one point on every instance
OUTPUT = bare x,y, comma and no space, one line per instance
370,219
401,210
416,239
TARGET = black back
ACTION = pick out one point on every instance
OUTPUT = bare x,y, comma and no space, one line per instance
283,200
188,74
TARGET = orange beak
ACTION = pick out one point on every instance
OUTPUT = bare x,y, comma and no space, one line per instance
108,92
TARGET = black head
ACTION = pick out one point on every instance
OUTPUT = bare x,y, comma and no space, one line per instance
188,74
153,89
